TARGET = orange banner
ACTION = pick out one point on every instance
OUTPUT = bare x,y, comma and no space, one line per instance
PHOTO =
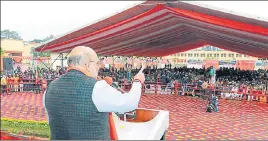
209,63
245,64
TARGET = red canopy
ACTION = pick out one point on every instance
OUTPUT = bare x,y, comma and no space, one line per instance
152,29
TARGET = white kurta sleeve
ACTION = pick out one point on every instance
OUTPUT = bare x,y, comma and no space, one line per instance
44,104
109,99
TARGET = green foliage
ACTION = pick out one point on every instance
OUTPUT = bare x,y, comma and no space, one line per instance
43,40
48,38
37,41
1,51
41,54
28,128
8,34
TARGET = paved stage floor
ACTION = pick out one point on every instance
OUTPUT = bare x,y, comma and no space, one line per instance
235,120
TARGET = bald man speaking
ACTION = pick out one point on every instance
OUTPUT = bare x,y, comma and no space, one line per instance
78,105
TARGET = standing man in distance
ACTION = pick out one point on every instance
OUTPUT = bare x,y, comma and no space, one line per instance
78,105
212,73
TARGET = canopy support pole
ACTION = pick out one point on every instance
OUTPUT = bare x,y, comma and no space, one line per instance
55,60
41,62
62,60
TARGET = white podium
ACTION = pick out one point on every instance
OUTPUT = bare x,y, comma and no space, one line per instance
149,124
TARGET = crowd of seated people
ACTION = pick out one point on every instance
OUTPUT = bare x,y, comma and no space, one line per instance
28,80
230,81
189,75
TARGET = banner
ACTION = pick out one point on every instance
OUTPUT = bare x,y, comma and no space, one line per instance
108,60
227,64
209,63
164,61
246,64
129,61
143,61
259,63
198,64
155,62
149,62
136,63
118,63
23,67
266,66
181,61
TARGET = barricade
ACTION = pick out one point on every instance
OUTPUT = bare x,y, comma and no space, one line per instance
258,95
157,89
153,88
20,87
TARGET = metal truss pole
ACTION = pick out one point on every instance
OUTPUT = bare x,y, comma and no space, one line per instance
42,62
55,60
62,60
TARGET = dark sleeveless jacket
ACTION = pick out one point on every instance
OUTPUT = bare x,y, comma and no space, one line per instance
71,111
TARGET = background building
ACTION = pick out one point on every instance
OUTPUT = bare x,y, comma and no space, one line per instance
207,53
13,47
211,53
18,50
21,53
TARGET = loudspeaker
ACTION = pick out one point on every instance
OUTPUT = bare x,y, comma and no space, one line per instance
8,64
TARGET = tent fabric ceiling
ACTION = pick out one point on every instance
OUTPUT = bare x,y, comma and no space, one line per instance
164,29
